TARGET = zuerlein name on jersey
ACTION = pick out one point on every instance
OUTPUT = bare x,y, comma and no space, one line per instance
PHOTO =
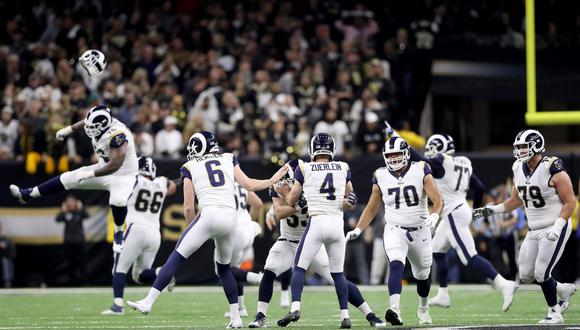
325,167
207,156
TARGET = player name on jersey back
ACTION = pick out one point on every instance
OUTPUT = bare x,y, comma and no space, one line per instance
324,185
541,201
404,197
212,176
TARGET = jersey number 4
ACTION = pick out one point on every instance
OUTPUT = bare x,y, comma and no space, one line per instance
328,187
534,193
145,201
410,194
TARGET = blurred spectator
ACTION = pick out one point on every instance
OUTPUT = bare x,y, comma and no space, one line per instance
8,133
370,137
73,214
7,255
277,141
129,110
337,129
302,138
168,141
403,127
357,26
206,106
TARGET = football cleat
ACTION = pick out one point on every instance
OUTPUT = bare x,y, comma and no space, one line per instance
259,321
114,310
423,315
565,292
554,316
235,324
22,195
393,316
118,242
374,321
243,313
345,324
140,306
508,291
440,300
290,317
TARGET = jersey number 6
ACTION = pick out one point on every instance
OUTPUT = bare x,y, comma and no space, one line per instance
215,174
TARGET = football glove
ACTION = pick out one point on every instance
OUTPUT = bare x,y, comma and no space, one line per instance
353,234
351,199
389,131
486,211
62,133
554,232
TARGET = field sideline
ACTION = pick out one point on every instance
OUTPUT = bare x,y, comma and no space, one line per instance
203,308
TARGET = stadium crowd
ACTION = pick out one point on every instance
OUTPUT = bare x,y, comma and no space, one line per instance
263,75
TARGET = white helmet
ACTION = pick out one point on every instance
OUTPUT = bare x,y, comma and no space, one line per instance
527,144
439,144
93,61
202,143
396,145
147,167
98,121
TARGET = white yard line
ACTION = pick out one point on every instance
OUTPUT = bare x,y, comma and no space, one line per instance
211,289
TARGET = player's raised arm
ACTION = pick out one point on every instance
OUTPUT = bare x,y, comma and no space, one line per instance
368,214
256,184
509,205
63,133
256,205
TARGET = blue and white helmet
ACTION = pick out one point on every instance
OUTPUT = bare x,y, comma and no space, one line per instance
147,167
527,144
93,61
201,143
396,153
322,144
98,121
292,166
439,144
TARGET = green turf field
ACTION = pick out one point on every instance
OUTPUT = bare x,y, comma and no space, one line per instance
203,307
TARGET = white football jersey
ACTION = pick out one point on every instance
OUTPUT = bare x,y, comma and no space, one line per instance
241,198
146,201
541,201
293,227
404,197
115,135
454,184
212,176
323,186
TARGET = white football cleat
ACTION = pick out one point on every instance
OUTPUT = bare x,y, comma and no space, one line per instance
565,292
243,313
508,291
235,324
140,306
423,315
554,316
440,300
393,315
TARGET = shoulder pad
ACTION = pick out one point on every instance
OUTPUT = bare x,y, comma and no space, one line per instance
515,165
462,160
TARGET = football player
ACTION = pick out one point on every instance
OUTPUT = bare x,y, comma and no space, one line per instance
544,189
404,187
327,187
209,176
454,177
142,237
115,172
293,221
246,231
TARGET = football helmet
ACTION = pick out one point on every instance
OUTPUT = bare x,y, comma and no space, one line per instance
439,144
147,167
400,148
201,143
93,61
527,144
322,144
98,121
292,166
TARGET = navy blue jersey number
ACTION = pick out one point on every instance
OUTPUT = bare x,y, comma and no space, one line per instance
144,201
215,174
242,202
409,193
328,187
294,222
534,194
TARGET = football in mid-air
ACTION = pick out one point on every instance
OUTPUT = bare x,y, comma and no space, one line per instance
93,61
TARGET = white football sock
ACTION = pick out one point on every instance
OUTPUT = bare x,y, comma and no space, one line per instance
394,300
444,291
262,307
365,309
234,312
241,302
118,302
253,278
152,296
284,295
499,281
344,314
295,306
